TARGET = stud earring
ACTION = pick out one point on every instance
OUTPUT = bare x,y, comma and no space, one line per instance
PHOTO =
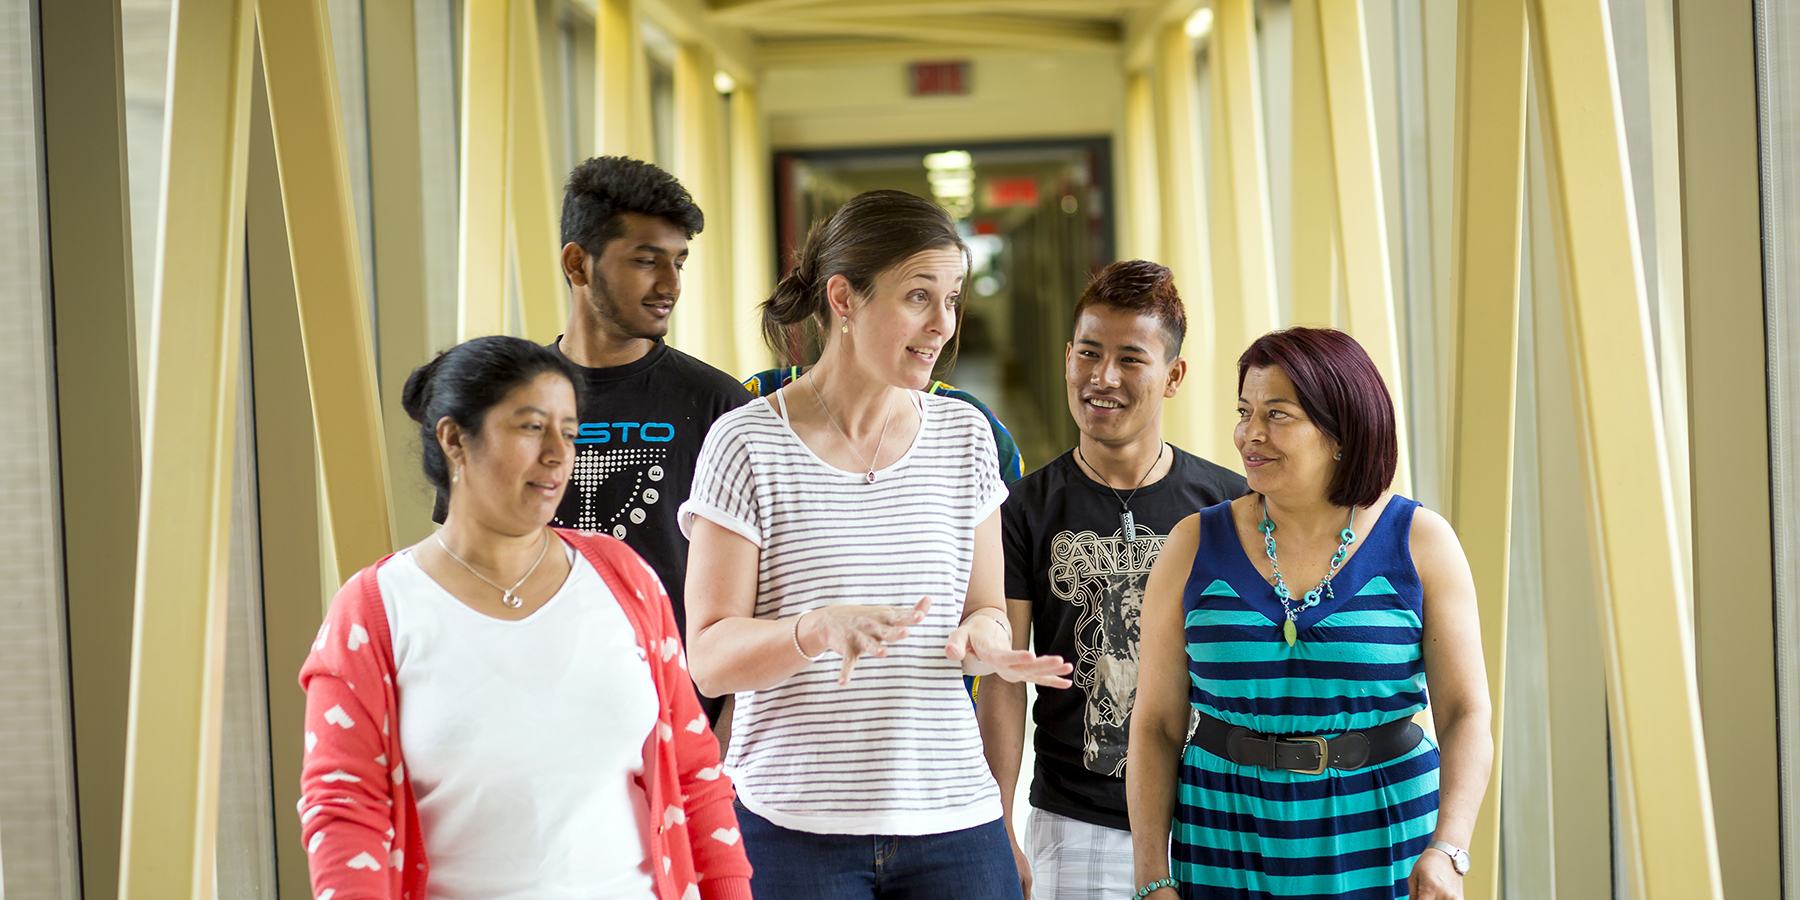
846,328
1340,455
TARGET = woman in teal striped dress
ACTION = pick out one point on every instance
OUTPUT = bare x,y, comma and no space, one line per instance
1300,626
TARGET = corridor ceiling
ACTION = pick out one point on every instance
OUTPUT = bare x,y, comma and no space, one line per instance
794,32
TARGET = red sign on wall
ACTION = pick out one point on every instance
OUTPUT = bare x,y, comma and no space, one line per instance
939,79
1010,191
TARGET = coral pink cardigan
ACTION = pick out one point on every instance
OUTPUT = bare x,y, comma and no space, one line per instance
357,812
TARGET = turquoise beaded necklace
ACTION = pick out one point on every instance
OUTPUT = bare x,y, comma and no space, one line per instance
1318,594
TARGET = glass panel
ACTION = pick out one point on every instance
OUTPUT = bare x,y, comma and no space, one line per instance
435,32
245,866
36,772
1778,40
146,37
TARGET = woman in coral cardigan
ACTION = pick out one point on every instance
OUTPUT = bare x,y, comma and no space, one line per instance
550,743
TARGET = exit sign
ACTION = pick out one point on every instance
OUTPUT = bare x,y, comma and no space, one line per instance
939,79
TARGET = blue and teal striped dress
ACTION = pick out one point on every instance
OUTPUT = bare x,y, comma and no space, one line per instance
1249,832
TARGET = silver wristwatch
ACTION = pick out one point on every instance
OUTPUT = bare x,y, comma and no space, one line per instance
1459,858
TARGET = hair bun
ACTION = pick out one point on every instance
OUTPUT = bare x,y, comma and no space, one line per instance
415,397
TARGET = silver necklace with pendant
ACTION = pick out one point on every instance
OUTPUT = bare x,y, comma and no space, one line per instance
1127,522
509,596
1312,598
870,477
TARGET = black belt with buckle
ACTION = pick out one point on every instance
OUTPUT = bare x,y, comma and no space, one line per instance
1307,754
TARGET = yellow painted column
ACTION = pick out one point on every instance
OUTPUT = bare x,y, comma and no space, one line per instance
1243,248
532,213
705,291
1192,419
1315,264
1144,213
183,549
752,228
623,92
1651,675
397,204
1489,203
1362,218
481,287
322,241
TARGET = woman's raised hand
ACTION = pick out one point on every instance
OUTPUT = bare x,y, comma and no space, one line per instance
992,644
856,631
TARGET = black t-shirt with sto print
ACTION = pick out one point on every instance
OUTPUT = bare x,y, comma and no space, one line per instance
642,425
1064,555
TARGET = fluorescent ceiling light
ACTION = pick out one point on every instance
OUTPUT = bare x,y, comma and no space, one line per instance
953,187
1200,22
949,159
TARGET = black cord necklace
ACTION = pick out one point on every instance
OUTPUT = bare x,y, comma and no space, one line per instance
1127,522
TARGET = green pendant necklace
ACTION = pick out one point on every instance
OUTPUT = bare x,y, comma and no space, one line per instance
1318,594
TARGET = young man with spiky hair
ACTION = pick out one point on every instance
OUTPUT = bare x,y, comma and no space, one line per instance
1079,537
647,407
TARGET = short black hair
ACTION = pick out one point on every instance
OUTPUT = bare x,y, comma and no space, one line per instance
606,187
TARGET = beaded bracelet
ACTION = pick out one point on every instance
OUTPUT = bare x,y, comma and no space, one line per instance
1153,887
797,640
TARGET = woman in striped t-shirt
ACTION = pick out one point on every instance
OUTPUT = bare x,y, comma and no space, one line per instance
1306,776
845,572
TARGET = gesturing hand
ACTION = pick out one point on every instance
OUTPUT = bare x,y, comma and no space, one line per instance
992,644
859,630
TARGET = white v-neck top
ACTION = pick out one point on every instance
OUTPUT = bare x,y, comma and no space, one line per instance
524,739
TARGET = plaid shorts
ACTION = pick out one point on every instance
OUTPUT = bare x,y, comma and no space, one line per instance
1074,860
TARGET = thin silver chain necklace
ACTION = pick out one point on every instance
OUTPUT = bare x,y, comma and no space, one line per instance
870,477
509,597
1127,522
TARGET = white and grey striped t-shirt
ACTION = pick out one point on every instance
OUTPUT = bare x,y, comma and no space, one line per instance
898,750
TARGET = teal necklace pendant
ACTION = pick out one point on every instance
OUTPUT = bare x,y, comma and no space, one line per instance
1292,609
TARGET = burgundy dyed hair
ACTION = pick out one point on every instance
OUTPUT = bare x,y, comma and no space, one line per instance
1142,287
1345,396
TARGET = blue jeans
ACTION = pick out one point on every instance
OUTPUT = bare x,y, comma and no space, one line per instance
971,864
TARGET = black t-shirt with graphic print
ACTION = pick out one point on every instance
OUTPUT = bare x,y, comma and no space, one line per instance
1064,555
642,424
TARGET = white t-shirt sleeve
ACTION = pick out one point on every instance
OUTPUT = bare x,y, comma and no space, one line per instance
724,492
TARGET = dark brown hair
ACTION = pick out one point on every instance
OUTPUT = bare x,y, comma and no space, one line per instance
1142,287
1344,395
872,233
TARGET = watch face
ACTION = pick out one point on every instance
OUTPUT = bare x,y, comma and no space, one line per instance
1461,862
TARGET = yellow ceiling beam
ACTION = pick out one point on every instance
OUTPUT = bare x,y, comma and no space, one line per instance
793,53
183,552
328,283
481,287
1652,683
989,31
1492,59
1193,420
532,217
753,15
1243,247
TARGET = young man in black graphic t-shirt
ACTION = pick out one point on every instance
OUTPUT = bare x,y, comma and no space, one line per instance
648,406
1080,535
